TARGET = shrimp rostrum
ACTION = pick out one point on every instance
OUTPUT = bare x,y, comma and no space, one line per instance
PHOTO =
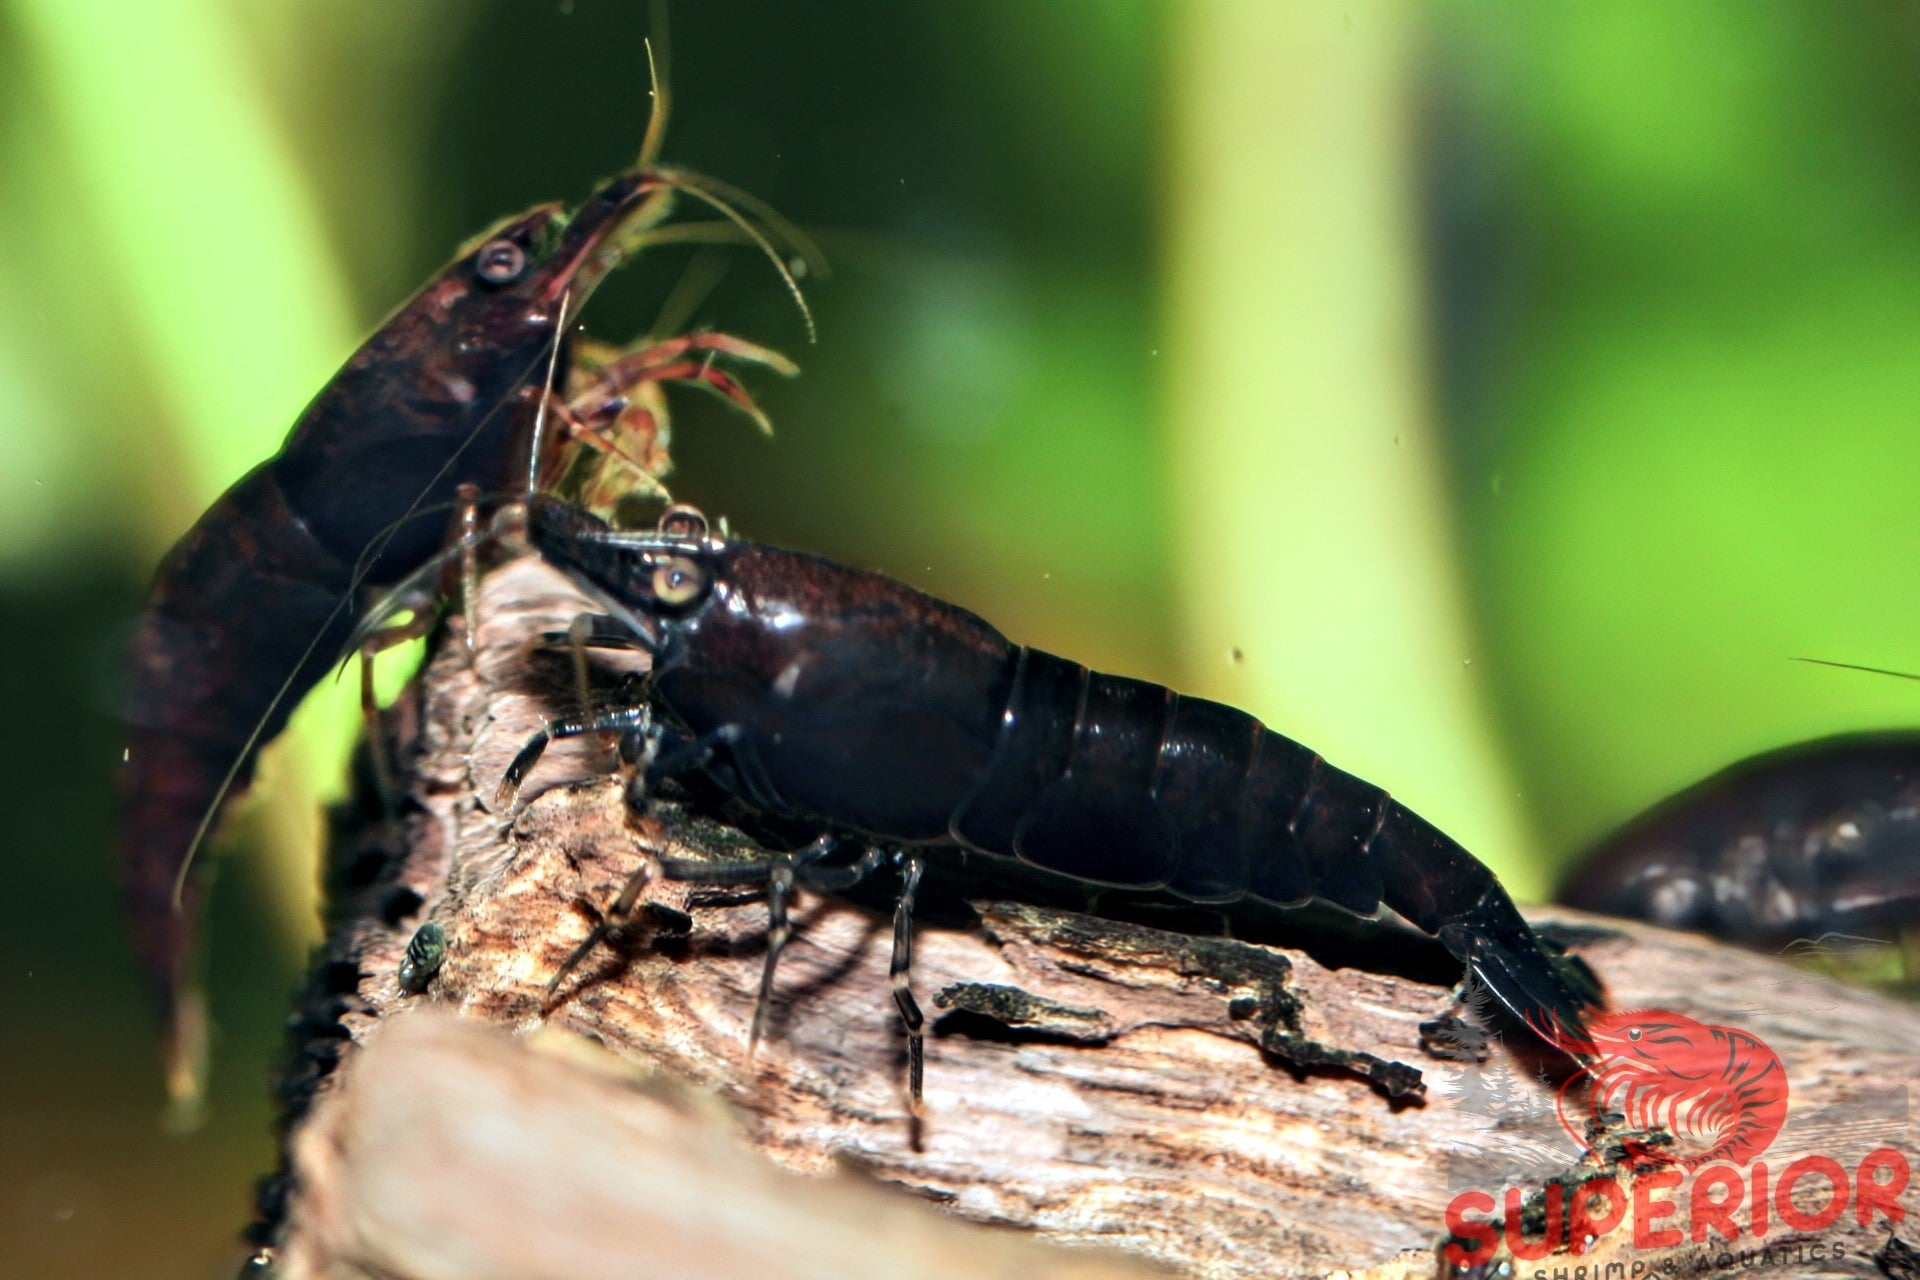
903,724
256,601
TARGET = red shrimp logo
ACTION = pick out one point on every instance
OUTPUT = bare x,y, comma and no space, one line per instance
1717,1086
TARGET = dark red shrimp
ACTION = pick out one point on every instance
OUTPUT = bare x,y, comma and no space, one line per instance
843,700
1656,1069
256,601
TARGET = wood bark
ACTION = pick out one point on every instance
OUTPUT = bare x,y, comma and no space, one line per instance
1129,1097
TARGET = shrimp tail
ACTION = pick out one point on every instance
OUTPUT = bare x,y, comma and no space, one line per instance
1550,991
1441,889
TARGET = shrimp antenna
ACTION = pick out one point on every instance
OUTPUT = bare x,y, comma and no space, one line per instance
246,753
1854,666
546,394
718,231
390,603
694,186
728,200
783,227
657,77
364,565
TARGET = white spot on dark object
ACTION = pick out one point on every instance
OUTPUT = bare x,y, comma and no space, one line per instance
783,684
1674,901
460,389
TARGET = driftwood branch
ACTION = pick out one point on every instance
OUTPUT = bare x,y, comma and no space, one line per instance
1210,1106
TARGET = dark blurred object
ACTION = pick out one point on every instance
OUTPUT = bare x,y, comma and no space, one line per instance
1814,848
1898,1258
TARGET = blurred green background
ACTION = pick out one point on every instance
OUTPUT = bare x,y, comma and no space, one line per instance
1495,398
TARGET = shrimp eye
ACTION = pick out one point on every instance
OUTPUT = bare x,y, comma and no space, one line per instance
678,582
683,521
500,262
1633,1033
